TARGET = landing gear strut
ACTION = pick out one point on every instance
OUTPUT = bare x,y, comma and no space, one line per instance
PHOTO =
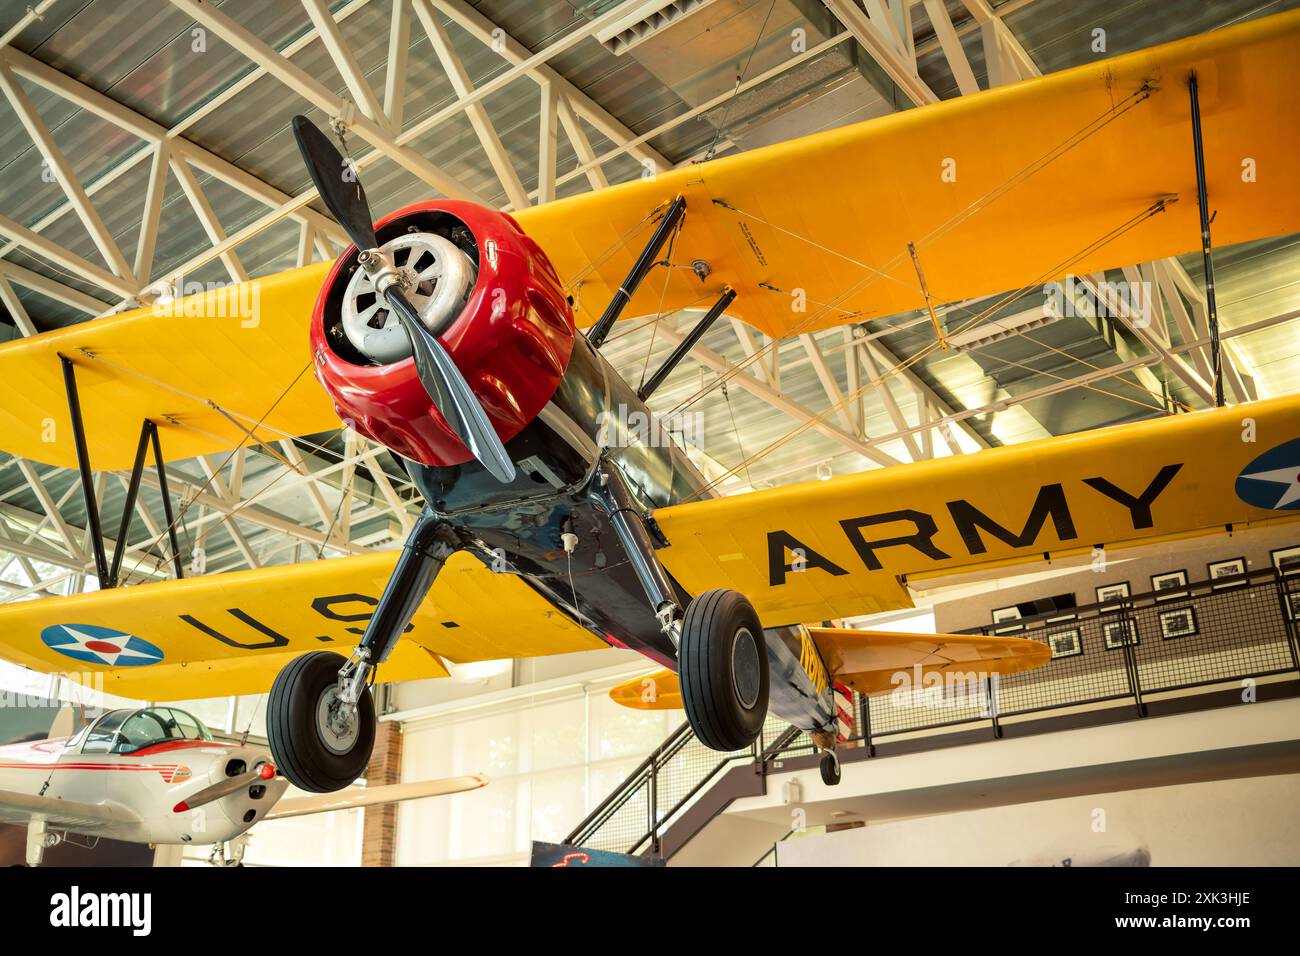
320,714
721,650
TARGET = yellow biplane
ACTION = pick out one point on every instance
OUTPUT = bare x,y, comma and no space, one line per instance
449,333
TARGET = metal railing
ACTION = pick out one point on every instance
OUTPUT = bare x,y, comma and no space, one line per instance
633,818
1120,653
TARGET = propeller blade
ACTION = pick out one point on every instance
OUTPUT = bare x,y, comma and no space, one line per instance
450,392
336,180
263,771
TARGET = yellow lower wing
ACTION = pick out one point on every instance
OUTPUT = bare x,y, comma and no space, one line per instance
658,691
873,662
846,547
231,633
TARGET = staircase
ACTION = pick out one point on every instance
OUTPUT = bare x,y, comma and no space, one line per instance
677,790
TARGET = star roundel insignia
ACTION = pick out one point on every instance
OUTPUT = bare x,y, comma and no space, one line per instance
1272,480
100,645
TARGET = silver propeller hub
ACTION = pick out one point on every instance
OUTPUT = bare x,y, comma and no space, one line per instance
439,278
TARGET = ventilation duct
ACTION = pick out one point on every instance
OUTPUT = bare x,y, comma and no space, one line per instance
644,21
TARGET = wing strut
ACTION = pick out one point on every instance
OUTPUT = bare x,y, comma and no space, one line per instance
107,572
687,343
87,478
640,269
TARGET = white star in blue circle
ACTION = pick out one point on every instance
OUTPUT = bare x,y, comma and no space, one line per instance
1272,480
100,645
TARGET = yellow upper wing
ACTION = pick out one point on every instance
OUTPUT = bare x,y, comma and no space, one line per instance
167,366
857,538
862,192
231,633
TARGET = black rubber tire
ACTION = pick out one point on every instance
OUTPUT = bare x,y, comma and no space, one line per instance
300,753
721,719
830,768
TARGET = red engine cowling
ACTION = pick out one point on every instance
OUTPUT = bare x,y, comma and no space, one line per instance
511,339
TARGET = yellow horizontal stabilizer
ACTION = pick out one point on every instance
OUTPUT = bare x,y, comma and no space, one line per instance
827,217
875,662
657,691
841,548
231,633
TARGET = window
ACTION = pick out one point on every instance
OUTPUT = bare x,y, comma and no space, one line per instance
550,762
186,726
126,731
104,732
141,729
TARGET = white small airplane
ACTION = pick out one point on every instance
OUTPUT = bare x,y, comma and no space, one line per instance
156,775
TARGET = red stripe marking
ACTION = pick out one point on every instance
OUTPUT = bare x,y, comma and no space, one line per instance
169,745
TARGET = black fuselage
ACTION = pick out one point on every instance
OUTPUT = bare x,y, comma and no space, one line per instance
594,420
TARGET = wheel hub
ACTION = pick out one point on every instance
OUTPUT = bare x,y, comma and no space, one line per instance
336,722
745,669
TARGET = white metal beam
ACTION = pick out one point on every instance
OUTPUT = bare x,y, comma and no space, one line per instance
63,172
516,54
57,291
827,378
60,256
881,385
354,77
16,310
51,508
951,45
108,109
147,242
581,144
750,383
475,112
399,44
874,36
313,91
207,216
548,128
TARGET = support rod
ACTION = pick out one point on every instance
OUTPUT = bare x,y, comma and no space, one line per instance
686,344
87,478
1207,254
645,261
610,493
166,499
132,491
